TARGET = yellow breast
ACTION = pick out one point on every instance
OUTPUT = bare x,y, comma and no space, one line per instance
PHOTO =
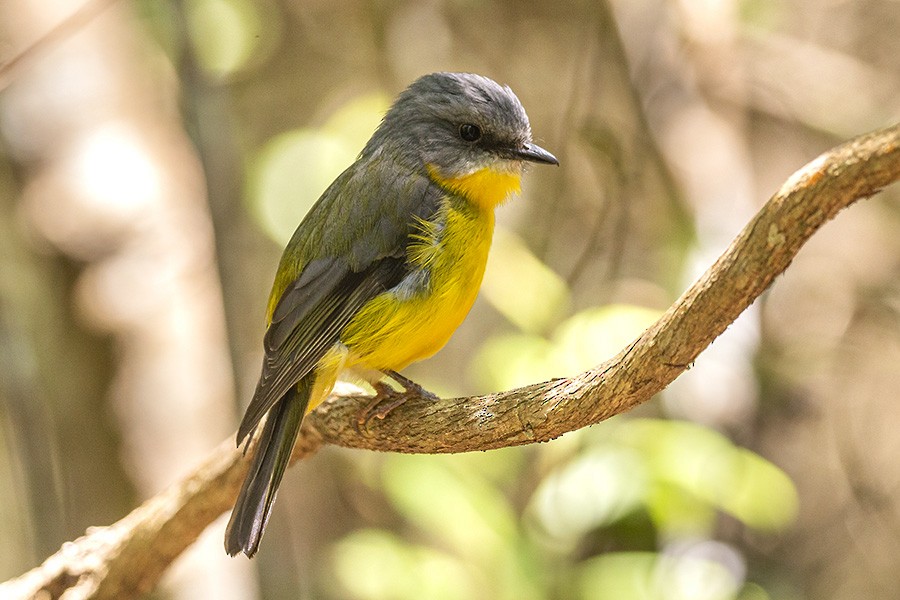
448,256
486,188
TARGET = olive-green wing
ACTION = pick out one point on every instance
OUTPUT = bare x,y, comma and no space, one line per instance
308,321
352,247
365,215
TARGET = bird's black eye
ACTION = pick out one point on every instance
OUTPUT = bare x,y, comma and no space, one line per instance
469,132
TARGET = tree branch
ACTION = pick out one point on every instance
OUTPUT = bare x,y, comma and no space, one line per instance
126,559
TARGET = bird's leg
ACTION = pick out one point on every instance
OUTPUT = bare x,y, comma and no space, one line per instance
411,387
387,398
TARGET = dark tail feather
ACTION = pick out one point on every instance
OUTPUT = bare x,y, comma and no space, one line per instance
254,503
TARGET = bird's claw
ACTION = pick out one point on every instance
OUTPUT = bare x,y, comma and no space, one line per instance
387,399
411,387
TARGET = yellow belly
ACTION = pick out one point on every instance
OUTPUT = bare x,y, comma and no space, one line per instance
400,327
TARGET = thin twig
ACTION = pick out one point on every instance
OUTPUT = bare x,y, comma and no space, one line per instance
61,31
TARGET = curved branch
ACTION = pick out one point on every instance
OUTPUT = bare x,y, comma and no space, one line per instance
127,558
544,411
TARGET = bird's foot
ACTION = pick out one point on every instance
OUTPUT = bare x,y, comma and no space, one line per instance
387,398
411,387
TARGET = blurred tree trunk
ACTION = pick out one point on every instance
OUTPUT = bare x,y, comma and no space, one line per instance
55,374
110,184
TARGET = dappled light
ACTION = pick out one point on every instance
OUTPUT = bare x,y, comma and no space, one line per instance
293,169
156,157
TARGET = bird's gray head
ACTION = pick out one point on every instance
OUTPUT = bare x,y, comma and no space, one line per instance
457,123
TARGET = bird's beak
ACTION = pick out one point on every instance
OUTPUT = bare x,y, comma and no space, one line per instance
534,153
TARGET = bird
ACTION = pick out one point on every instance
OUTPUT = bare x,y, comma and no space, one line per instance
384,267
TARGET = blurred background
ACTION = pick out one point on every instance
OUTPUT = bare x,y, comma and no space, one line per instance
156,156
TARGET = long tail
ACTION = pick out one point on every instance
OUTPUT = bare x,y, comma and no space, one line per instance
254,503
